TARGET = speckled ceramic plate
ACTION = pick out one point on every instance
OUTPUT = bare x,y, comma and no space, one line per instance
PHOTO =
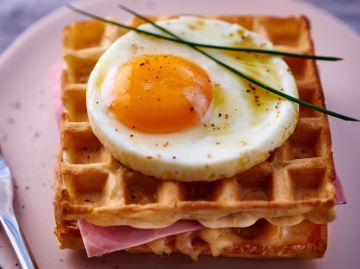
29,134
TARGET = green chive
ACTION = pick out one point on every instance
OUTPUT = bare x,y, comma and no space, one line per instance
209,46
252,80
195,45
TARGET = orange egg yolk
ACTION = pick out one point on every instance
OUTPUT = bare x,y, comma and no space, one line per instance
160,94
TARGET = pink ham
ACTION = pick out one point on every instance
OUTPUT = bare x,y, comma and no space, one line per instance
340,193
100,240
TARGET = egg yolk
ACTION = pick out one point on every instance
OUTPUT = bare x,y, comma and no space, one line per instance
160,94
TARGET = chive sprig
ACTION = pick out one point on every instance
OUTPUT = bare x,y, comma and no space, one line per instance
230,68
241,74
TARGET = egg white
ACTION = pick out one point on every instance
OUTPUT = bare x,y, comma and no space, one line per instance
238,134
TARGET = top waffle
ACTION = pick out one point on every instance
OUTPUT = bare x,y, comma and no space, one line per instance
295,183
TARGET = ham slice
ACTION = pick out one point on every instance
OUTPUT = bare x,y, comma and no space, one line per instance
340,193
100,240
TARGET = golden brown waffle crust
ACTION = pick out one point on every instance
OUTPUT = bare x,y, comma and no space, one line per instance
293,185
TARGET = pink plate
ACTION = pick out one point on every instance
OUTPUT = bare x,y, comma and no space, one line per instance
29,134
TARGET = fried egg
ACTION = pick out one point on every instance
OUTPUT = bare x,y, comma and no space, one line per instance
166,110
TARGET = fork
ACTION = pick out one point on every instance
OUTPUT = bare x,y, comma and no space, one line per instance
8,219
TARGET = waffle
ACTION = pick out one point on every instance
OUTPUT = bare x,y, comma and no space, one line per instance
294,186
260,240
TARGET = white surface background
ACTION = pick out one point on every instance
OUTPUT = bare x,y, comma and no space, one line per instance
29,136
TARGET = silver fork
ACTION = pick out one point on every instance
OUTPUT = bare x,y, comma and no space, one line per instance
8,219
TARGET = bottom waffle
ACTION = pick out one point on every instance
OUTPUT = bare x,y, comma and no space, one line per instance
261,240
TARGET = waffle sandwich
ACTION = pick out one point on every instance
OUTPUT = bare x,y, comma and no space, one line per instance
280,207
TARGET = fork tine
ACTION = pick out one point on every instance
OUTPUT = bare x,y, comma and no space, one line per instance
2,160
